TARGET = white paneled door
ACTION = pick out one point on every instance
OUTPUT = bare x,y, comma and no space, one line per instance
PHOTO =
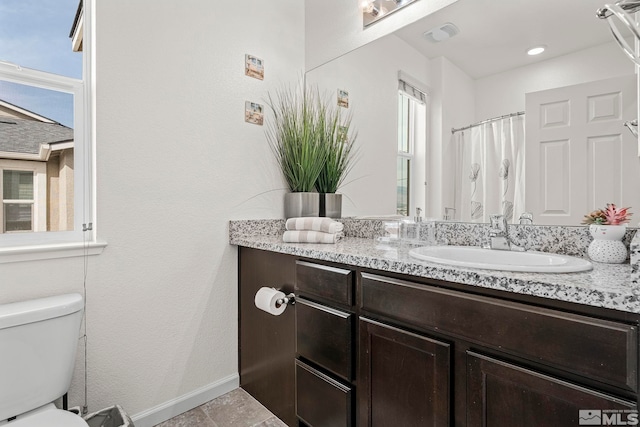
579,155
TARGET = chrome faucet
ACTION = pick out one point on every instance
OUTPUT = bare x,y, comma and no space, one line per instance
526,218
499,233
449,214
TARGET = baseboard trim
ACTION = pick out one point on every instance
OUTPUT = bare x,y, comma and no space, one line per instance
186,402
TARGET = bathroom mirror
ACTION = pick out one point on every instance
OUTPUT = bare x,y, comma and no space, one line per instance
481,72
374,10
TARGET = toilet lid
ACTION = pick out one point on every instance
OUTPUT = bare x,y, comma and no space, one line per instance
50,417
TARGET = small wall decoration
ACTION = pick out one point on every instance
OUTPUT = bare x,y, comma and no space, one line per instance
254,67
253,113
343,98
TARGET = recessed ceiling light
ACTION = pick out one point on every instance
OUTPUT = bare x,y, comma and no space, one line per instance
537,50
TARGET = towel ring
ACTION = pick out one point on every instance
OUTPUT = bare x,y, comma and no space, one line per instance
618,10
628,5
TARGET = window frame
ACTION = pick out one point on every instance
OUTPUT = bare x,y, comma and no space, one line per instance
406,136
413,113
82,239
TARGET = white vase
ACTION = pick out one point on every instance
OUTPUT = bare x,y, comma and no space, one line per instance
607,243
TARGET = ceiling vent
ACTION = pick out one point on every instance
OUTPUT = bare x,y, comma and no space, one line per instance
441,33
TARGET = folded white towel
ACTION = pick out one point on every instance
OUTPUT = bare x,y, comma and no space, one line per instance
326,225
303,236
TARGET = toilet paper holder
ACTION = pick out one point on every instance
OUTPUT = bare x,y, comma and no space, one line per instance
289,299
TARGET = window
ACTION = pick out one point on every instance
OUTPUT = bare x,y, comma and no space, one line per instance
411,159
45,138
17,200
21,191
405,154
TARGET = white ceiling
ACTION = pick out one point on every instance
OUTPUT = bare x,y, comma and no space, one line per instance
495,34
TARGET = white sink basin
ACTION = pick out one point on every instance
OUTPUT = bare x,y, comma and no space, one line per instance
490,259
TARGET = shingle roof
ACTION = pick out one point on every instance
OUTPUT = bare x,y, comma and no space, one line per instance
26,136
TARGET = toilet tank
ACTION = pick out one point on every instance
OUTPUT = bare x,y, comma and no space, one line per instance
38,342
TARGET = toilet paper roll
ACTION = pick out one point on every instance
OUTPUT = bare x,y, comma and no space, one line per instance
266,300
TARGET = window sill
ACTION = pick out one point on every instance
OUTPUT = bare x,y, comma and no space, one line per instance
50,251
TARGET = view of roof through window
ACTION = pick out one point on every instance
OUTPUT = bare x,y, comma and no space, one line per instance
35,34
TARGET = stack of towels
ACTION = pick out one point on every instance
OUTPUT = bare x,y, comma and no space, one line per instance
312,230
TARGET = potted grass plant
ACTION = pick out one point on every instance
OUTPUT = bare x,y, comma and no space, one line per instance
311,144
339,146
294,137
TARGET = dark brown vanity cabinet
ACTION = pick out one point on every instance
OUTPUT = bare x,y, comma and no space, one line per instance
324,345
512,364
366,349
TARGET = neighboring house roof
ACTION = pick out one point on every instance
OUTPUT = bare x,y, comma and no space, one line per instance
12,110
27,135
76,35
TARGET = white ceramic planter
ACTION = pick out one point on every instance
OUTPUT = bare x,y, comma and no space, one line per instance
607,243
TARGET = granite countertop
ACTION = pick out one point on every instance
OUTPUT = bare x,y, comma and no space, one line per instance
612,286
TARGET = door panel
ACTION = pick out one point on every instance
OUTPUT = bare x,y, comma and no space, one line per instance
404,378
579,156
501,394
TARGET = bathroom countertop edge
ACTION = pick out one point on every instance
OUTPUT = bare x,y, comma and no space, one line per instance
611,286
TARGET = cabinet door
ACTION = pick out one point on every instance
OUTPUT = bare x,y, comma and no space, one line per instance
501,394
404,378
267,343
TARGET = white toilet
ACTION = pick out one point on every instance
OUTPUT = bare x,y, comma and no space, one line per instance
38,342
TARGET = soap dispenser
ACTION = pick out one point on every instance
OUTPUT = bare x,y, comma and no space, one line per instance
418,218
410,230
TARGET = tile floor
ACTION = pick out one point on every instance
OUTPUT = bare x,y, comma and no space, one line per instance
236,408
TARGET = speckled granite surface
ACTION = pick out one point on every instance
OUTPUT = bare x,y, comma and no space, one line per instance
635,260
607,285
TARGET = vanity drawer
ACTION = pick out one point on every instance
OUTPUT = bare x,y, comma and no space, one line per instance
324,336
320,400
601,350
328,283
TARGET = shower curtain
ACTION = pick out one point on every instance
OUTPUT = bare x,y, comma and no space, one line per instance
489,170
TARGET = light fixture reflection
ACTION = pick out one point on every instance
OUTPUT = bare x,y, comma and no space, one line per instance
373,10
370,8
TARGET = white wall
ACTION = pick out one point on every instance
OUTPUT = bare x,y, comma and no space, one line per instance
175,162
465,101
503,93
372,82
334,27
453,102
